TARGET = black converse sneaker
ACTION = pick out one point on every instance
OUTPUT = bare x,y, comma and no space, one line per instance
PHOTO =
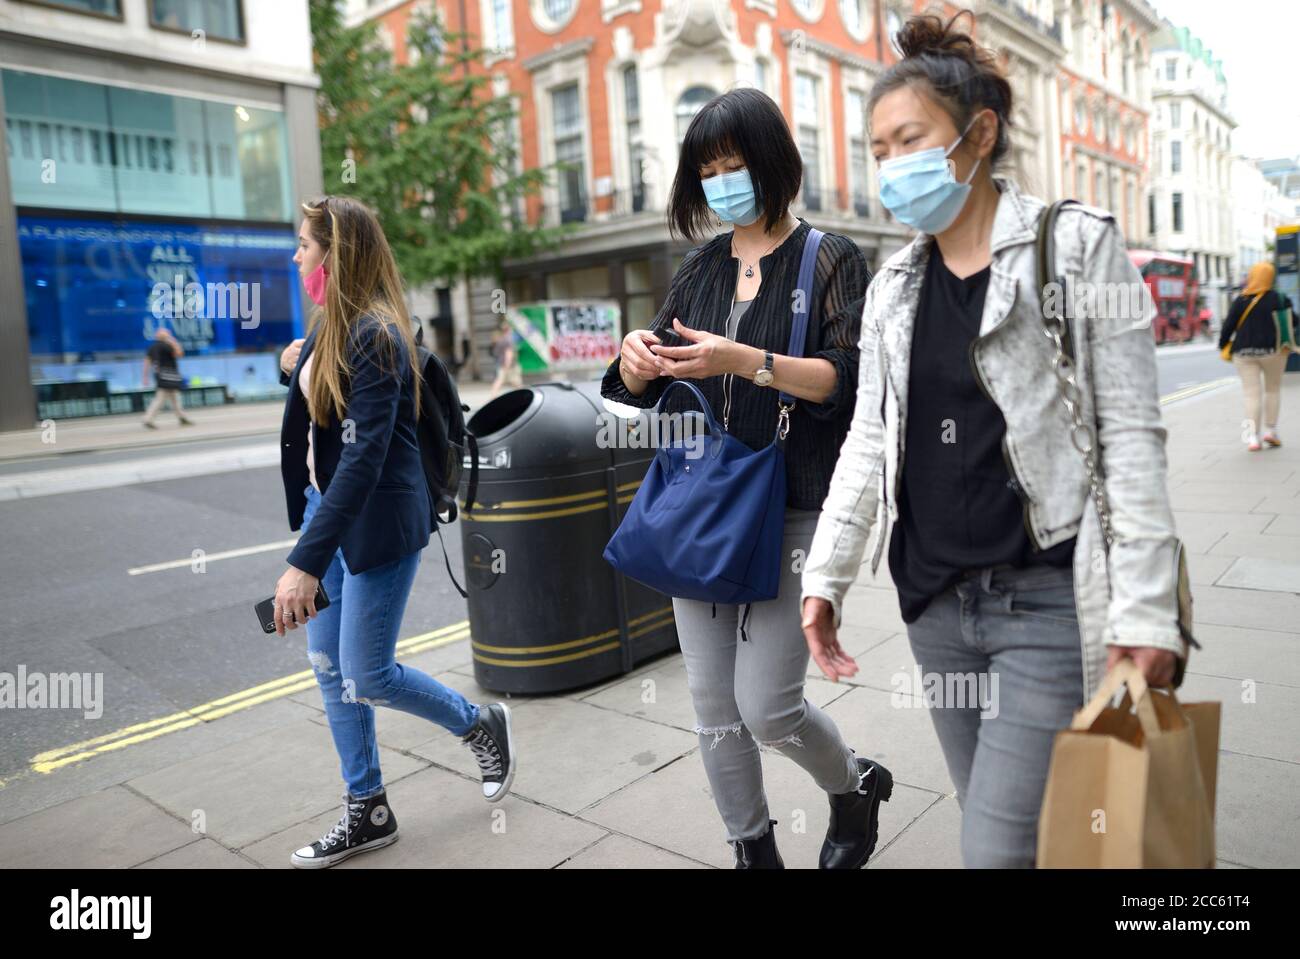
366,824
493,746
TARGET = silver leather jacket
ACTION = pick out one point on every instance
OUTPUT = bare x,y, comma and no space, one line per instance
1124,597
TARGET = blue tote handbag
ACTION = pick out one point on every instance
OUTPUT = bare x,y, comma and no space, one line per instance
707,522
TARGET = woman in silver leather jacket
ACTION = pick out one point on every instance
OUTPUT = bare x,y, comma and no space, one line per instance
1012,625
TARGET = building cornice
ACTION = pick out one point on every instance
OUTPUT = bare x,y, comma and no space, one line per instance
1197,95
1048,48
11,41
831,52
1100,89
1079,148
565,51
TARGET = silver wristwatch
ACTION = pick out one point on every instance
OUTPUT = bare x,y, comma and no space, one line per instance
764,376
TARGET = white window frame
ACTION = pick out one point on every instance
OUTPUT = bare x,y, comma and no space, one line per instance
542,20
556,74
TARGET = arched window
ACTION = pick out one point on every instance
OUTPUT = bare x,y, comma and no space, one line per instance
689,104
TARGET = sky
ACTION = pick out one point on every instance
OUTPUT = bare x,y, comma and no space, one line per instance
1259,44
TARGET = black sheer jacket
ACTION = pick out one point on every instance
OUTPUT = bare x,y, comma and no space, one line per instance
701,297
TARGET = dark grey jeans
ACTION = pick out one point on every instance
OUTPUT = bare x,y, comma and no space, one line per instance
750,693
1013,635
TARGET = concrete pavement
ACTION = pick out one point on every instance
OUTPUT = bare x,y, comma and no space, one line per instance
609,776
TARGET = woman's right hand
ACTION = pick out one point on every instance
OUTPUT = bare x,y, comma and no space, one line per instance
289,358
636,359
823,640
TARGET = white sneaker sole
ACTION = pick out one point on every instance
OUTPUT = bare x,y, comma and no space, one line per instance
334,859
514,761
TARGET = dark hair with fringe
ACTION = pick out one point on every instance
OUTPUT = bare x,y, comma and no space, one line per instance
947,65
748,123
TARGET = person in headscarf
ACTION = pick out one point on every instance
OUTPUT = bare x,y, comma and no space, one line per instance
1250,338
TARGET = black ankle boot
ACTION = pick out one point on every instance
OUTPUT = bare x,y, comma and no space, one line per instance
760,853
851,837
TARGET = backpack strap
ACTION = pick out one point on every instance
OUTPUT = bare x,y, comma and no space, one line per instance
471,489
437,528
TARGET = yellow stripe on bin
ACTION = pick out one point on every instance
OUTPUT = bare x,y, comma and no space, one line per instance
550,661
654,612
476,517
663,616
483,513
556,647
651,627
546,501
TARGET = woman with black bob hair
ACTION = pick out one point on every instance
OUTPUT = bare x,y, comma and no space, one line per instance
1020,581
729,309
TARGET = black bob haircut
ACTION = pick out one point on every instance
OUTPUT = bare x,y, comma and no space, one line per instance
748,123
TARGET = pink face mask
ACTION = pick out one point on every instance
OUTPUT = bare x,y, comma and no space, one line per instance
315,281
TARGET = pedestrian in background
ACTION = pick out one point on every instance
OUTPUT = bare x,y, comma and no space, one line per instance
354,483
961,454
730,308
1252,339
160,361
507,358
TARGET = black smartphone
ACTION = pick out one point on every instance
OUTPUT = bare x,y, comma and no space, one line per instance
669,337
266,609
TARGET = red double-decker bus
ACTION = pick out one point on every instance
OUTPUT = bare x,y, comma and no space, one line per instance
1172,282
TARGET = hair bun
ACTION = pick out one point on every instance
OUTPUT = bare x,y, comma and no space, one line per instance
927,33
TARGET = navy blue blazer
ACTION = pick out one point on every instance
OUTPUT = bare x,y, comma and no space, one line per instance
374,497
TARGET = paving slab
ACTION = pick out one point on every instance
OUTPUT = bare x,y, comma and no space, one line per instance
254,788
111,829
573,754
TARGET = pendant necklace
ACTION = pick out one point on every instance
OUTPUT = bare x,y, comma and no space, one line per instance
749,268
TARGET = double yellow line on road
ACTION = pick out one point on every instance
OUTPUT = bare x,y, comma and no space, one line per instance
1198,388
54,759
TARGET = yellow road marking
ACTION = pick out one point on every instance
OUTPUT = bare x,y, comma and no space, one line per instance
53,759
1193,390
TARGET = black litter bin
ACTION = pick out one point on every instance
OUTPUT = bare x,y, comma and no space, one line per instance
546,612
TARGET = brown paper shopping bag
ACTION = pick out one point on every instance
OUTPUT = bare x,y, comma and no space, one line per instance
1133,786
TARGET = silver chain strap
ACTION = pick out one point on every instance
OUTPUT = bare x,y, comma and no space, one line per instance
1082,436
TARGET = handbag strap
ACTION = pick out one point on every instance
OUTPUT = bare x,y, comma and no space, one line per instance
1245,313
1058,329
803,303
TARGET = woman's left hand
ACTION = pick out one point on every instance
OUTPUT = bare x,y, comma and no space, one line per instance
295,599
708,355
1157,665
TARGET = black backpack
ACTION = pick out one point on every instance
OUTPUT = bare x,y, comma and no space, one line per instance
444,442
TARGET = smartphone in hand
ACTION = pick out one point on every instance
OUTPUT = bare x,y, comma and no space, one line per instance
266,610
669,337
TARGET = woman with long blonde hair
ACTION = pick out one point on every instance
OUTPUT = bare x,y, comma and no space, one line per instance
354,483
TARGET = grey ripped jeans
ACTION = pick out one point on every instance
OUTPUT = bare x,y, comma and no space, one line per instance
1005,643
750,692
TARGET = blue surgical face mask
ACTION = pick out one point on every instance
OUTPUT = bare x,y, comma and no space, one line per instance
921,190
731,197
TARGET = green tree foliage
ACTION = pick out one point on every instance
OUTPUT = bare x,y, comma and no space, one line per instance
426,144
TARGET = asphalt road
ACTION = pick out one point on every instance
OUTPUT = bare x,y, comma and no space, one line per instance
166,640
175,638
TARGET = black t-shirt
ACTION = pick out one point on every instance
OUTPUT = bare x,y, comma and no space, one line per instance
161,356
959,508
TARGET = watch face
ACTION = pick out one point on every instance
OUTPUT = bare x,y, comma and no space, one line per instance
763,377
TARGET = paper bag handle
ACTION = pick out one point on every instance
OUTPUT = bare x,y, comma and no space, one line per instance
1123,673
